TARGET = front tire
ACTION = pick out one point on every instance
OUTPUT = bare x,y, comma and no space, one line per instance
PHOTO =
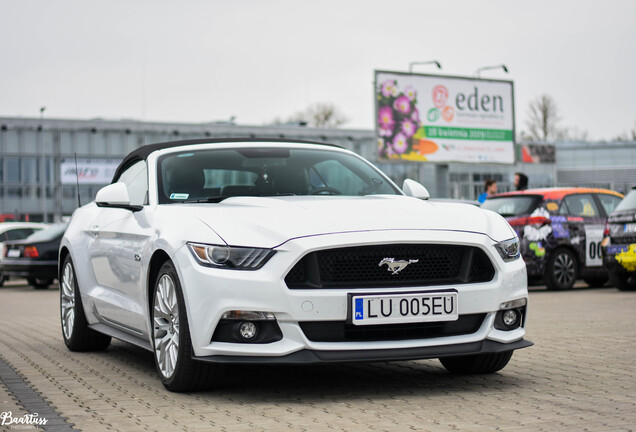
596,282
38,283
477,364
562,270
171,337
77,335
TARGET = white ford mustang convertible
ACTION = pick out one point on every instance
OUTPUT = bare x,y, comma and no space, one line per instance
268,251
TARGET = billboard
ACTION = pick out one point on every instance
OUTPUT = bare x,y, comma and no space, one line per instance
434,118
89,171
536,153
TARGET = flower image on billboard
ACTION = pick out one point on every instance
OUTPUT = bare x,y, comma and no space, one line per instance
463,119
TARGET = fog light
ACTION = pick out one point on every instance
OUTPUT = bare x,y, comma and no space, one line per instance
510,317
247,330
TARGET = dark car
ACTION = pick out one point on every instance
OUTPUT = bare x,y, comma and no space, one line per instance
16,231
560,231
619,250
35,257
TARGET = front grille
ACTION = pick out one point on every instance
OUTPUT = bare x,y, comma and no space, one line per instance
359,267
340,331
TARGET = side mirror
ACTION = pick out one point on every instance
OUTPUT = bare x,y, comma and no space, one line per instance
415,189
115,195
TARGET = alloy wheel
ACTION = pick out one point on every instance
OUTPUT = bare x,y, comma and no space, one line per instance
564,269
166,325
68,300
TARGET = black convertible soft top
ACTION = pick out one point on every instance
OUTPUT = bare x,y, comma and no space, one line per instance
142,152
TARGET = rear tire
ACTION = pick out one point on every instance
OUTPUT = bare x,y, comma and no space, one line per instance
172,344
476,364
622,281
77,336
562,270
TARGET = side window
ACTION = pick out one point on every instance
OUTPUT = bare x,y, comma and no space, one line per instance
609,202
581,205
136,180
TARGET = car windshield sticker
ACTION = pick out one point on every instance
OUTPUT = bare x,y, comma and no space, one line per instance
552,206
179,196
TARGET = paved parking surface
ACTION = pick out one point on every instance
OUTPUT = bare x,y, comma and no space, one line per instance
580,375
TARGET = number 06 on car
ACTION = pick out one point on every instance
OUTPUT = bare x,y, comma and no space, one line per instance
404,308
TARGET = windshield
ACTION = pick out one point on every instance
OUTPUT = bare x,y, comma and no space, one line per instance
628,203
47,234
206,175
512,205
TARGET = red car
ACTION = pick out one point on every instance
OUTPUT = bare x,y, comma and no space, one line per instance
560,231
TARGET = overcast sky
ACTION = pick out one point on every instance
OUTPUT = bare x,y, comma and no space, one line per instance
199,61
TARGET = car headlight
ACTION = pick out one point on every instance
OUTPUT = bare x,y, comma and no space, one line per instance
508,249
230,257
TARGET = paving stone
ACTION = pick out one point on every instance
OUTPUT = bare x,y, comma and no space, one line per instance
579,376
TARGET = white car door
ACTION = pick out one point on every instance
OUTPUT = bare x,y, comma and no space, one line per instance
119,238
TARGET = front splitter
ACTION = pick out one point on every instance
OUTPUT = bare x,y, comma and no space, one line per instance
314,356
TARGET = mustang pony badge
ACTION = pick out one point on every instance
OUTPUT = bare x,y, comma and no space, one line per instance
396,266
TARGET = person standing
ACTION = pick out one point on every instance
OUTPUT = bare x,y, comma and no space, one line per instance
521,181
490,187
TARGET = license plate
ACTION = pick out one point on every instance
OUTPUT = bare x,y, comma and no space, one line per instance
13,253
630,228
371,309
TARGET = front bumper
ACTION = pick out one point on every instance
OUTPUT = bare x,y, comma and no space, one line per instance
620,258
210,292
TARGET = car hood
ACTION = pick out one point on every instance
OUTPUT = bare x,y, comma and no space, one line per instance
272,221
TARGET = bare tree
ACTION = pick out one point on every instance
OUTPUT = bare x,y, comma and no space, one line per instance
627,136
572,134
543,119
320,115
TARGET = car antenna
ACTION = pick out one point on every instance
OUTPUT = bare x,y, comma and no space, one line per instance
79,203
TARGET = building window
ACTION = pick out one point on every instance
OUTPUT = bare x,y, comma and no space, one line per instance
13,170
31,192
49,165
30,170
68,192
14,192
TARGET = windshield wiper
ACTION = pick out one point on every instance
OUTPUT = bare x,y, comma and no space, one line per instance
214,199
